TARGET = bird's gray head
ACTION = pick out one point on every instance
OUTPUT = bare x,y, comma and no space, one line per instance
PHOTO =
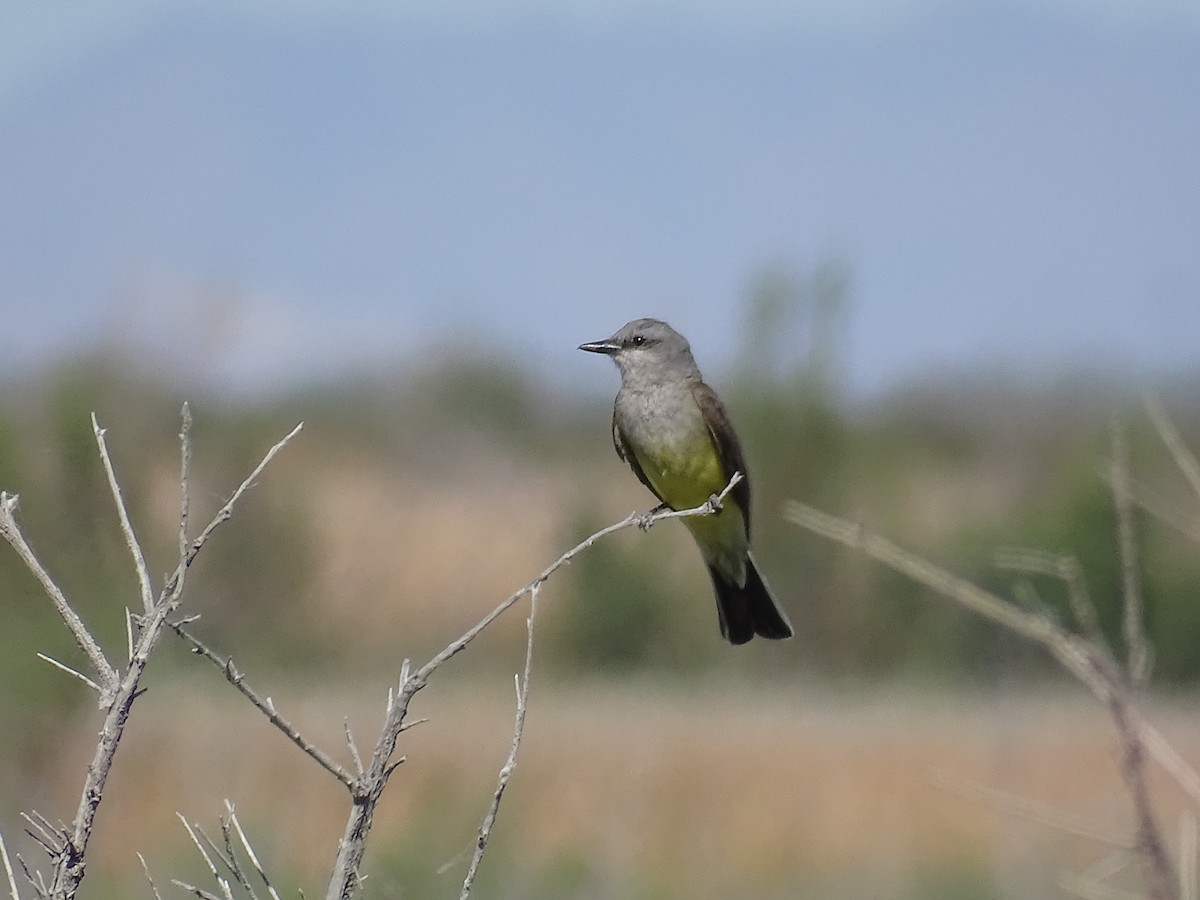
648,350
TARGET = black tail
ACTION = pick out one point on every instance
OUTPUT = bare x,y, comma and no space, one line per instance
750,610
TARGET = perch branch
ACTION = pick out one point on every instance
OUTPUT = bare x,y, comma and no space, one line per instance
345,878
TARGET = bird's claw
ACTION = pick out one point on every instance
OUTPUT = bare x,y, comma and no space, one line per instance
647,519
714,504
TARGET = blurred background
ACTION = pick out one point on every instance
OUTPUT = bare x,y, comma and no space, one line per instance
927,251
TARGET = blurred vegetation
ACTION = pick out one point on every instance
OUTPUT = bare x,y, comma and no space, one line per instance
954,467
415,501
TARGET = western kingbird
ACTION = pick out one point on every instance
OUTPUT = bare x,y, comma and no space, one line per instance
673,431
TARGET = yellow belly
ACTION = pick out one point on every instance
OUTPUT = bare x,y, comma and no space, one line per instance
684,476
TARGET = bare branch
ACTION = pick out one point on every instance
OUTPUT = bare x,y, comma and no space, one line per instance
1161,881
38,883
1188,848
358,765
174,586
146,870
119,688
135,549
229,856
11,532
72,672
45,832
1174,442
1064,567
1132,622
1189,528
266,707
226,511
642,520
1028,809
192,889
1075,654
1092,889
345,878
1170,761
185,464
237,826
8,870
128,635
510,764
212,867
1088,661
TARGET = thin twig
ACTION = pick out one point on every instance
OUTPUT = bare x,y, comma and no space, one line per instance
212,868
135,549
128,635
345,878
1027,809
1173,441
174,586
266,707
510,764
1188,527
72,672
11,532
1090,889
358,765
50,836
1188,846
1132,621
192,889
258,867
8,870
1075,654
38,883
229,857
120,688
185,463
1170,761
642,520
146,870
222,883
1064,567
1088,661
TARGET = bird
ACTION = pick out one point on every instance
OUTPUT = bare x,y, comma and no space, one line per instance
673,431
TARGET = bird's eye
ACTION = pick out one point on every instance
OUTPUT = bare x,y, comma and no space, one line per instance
638,340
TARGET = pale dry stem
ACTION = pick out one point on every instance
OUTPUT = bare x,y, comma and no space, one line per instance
510,764
118,688
1087,659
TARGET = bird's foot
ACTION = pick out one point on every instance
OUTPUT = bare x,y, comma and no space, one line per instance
714,504
646,520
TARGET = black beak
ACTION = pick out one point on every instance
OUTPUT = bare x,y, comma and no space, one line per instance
607,346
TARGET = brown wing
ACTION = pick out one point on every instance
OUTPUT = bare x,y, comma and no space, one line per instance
726,440
629,457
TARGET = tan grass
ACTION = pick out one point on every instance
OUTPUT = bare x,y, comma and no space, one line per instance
693,789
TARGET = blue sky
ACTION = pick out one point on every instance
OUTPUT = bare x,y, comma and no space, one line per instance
277,193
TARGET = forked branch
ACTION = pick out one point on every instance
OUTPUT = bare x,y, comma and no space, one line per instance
1086,656
118,687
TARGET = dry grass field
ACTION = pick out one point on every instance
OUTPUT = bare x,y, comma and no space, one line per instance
630,789
711,773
